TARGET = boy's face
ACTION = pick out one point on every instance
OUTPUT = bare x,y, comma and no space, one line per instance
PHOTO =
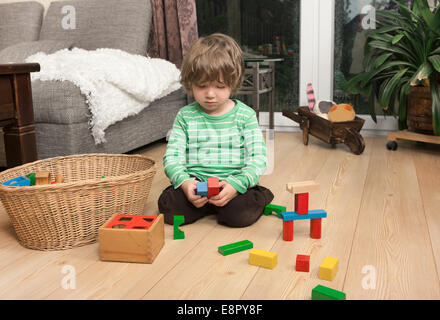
213,96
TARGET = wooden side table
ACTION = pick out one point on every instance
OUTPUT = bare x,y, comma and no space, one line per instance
17,113
258,81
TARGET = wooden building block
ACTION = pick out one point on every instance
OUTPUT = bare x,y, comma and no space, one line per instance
31,177
121,239
213,187
18,182
315,228
42,177
262,258
302,263
274,208
313,214
325,293
328,268
235,247
178,234
302,187
288,230
302,203
202,189
59,178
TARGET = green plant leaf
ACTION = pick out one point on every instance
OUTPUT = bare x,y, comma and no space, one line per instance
388,47
372,102
353,85
391,87
381,59
368,76
381,37
403,106
435,97
435,61
397,38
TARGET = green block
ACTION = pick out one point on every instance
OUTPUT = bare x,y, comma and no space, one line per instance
178,234
31,177
274,208
325,293
235,247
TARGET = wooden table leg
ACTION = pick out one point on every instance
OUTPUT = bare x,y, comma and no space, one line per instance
20,142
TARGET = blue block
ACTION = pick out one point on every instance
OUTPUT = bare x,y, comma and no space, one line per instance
18,182
313,214
202,189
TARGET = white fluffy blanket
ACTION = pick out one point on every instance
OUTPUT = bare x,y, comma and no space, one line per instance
116,84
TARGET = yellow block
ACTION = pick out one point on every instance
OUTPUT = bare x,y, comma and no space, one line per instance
328,268
262,258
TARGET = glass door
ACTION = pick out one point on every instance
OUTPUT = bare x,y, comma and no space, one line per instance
263,28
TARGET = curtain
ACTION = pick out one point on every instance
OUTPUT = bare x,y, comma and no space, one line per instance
174,29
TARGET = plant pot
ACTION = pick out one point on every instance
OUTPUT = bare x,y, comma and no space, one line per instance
419,117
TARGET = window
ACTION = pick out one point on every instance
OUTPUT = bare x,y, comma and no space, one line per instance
262,28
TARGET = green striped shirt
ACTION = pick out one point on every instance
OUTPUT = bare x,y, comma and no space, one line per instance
230,147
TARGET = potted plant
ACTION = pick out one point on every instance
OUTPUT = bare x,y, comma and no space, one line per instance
402,53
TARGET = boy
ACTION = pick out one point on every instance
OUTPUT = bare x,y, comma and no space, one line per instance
215,136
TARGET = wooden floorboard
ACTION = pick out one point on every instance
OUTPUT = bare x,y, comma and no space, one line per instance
382,215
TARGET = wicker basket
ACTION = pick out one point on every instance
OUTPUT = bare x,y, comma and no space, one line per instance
66,215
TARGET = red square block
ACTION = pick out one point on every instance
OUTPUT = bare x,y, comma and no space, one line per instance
213,187
302,263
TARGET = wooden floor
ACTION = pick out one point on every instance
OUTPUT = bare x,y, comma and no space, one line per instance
383,225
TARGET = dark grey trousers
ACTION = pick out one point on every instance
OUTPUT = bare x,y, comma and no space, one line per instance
242,211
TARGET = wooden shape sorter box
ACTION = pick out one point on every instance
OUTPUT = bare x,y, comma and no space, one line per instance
131,238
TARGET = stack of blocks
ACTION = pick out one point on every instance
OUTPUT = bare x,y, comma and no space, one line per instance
301,190
208,188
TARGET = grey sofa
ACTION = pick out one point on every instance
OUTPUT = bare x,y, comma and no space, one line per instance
60,110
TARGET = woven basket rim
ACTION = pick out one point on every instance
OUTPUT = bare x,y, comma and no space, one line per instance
96,182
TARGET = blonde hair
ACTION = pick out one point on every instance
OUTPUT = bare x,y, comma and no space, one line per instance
213,58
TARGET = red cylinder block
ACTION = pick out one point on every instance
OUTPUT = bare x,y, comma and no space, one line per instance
315,228
288,230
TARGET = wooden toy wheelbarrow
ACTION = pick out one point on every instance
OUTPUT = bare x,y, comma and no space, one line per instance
346,132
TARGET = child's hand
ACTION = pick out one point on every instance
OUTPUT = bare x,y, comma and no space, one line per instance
227,194
189,188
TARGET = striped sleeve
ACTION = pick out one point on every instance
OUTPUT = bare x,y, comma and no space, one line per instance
255,161
174,160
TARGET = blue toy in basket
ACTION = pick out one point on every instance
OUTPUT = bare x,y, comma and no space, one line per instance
18,182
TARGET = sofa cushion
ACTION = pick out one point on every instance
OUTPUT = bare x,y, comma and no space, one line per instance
61,102
151,124
94,24
19,52
20,21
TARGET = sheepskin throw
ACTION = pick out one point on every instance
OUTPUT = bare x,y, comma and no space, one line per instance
116,84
